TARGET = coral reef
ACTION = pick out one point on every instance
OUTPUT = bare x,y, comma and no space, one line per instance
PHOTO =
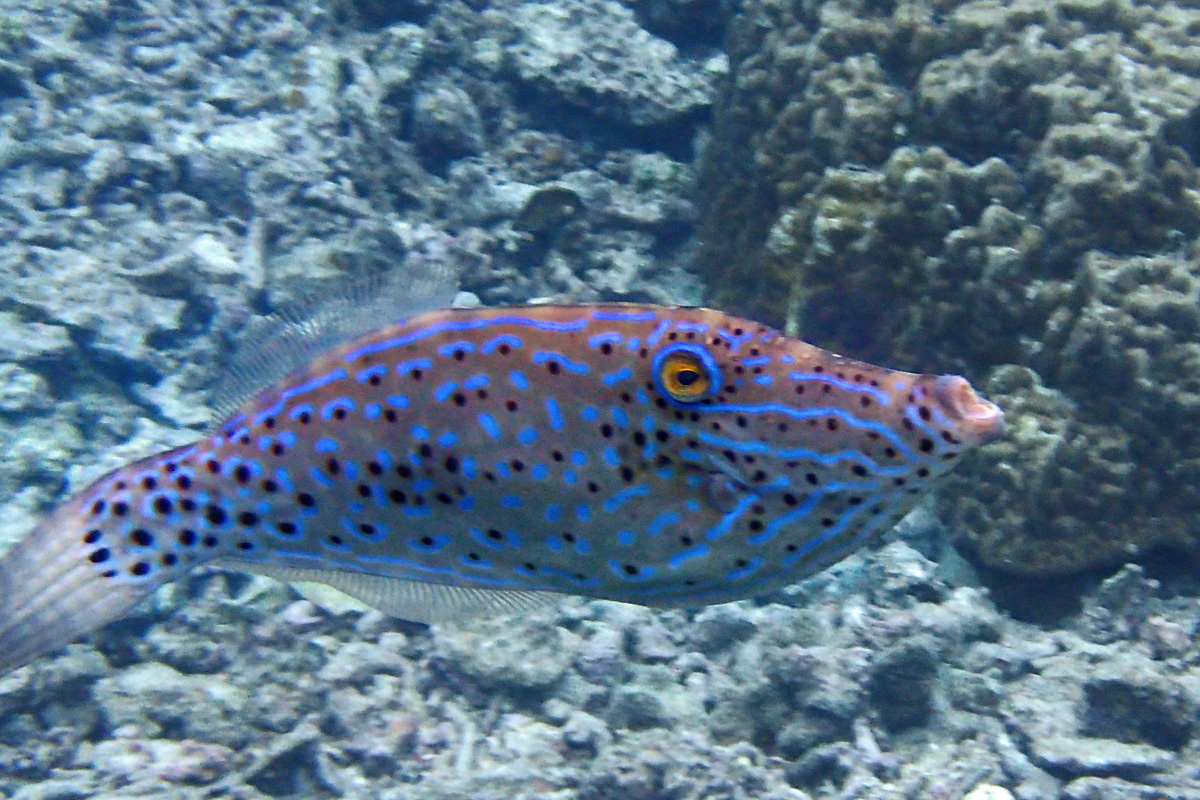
956,187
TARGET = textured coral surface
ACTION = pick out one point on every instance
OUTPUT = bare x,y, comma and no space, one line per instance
957,186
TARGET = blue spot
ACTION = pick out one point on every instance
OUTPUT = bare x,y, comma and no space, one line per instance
661,523
469,469
528,436
265,442
633,344
601,338
667,474
590,414
695,456
687,555
514,540
343,403
643,398
764,380
420,433
620,417
399,401
480,563
624,316
579,458
448,350
624,496
373,410
756,362
467,503
692,505
519,380
488,422
287,439
504,470
570,478
623,374
385,459
583,547
285,480
584,513
650,451
422,485
327,446
417,512
494,344
512,501
554,544
577,367
540,472
477,382
445,391
409,366
367,374
626,538
662,328
689,327
555,413
553,513
448,440
485,540
351,470
611,457
297,412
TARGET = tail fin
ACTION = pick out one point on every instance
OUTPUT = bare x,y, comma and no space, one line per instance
51,594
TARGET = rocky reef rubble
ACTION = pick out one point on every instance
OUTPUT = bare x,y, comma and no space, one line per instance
878,679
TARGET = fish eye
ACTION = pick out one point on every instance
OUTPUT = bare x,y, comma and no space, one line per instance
686,373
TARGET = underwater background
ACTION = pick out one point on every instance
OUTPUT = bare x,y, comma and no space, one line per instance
1008,191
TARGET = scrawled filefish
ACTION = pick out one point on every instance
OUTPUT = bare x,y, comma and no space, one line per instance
465,460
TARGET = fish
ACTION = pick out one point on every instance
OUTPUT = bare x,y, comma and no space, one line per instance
458,462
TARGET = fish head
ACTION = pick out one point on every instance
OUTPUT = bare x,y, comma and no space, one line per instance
767,413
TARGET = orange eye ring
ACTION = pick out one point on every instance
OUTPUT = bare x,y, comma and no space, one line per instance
685,373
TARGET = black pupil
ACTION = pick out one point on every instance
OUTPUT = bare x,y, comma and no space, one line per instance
687,377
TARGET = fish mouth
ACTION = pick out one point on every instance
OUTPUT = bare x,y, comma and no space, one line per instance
982,417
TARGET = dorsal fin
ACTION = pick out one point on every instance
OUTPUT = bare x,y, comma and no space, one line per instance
334,312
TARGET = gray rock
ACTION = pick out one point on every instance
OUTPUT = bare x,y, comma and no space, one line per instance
1117,789
1130,700
718,628
902,680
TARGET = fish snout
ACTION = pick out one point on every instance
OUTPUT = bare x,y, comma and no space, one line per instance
979,419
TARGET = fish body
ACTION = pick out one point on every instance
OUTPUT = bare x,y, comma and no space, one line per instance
653,455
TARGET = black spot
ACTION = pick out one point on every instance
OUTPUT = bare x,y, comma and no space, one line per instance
606,431
213,467
374,380
459,399
248,518
139,569
168,559
557,455
606,349
390,415
121,486
552,367
924,413
305,499
812,479
511,405
366,530
926,445
91,537
141,538
286,528
415,374
335,540
494,534
529,565
149,483
339,413
627,474
864,401
827,522
473,556
686,541
923,472
120,509
426,541
241,474
269,486
215,515
244,546
592,487
424,451
639,438
741,421
630,569
277,449
183,482
859,470
398,497
304,418
187,505
517,464
209,542
503,349
444,498
332,466
187,537
99,556
756,525
403,471
831,424
162,505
